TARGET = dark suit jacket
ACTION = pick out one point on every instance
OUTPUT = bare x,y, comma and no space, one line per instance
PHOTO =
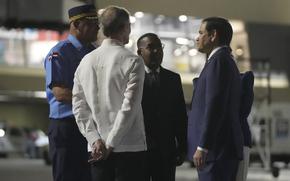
165,114
246,105
214,117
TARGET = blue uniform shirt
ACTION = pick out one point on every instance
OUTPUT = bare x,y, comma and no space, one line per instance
60,65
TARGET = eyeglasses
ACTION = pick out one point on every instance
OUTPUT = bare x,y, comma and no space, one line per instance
153,47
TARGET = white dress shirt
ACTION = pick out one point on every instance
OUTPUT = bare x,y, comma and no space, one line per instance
107,94
214,51
148,70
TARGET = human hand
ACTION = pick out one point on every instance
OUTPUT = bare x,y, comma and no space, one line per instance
98,150
108,152
199,158
180,159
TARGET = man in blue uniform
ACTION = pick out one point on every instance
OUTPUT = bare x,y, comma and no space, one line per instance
68,148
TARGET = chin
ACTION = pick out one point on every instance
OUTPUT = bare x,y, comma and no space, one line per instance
201,50
126,41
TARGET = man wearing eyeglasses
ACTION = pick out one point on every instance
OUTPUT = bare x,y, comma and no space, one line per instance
68,148
164,112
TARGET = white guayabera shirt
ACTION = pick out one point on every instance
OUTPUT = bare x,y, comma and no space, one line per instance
107,94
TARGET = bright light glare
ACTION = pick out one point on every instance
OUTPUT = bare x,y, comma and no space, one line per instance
239,51
177,52
182,18
139,14
182,41
2,132
132,19
192,52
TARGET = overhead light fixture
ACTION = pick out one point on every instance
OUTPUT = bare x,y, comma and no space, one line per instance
182,18
139,14
132,19
239,52
2,133
177,52
192,52
182,41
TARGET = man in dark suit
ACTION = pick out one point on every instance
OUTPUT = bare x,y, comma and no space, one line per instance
247,97
164,111
215,138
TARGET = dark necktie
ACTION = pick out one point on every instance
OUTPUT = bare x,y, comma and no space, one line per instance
154,78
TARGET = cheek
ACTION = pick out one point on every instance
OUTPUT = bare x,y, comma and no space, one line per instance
146,61
203,40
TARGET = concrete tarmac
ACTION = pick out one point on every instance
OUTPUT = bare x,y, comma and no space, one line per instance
15,169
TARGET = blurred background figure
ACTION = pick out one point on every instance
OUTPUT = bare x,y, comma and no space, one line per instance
247,98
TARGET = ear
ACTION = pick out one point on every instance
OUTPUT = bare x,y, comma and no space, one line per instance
139,52
214,36
76,24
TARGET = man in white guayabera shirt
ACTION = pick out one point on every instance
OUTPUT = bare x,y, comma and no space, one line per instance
107,95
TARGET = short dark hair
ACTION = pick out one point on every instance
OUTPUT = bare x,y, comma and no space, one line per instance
223,28
150,35
114,19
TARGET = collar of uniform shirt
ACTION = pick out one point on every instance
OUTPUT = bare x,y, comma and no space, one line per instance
148,70
214,51
76,43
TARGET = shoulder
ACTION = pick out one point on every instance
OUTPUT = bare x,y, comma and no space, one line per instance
88,59
223,54
129,58
60,48
169,73
127,54
249,74
62,45
86,66
247,77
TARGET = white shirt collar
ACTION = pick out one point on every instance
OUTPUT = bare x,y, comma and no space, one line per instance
148,70
214,51
109,41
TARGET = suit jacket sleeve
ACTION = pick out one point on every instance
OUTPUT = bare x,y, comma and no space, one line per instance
247,94
216,98
181,119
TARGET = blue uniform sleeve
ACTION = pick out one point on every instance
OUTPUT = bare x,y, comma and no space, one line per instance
56,69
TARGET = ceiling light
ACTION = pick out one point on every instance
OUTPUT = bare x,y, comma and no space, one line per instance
182,18
132,19
192,52
139,14
182,41
2,133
